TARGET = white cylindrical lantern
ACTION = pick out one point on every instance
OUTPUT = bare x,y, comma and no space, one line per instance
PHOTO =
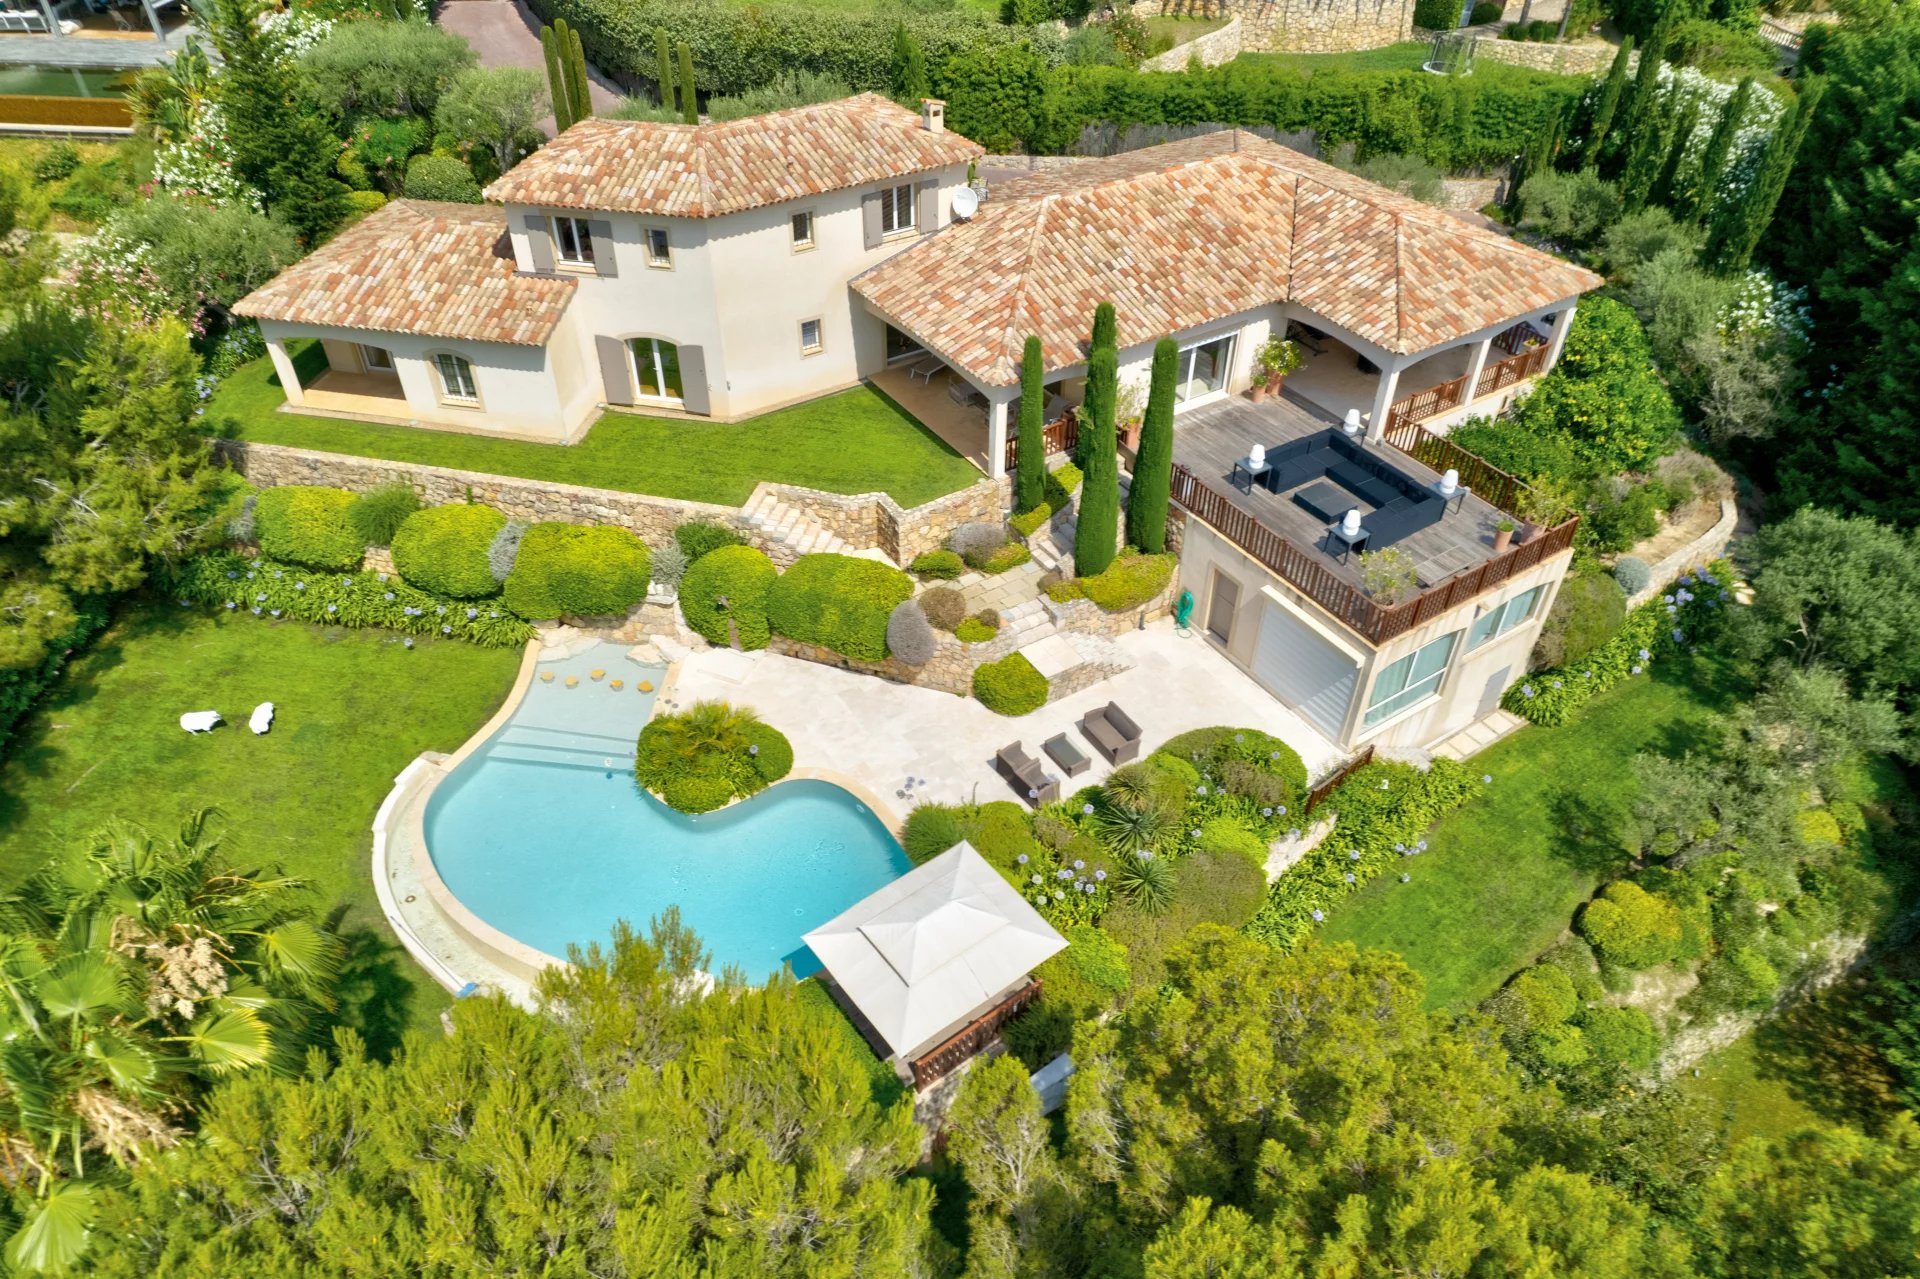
1257,457
1350,526
1450,483
1353,422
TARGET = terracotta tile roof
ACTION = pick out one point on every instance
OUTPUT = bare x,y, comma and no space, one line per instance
1179,235
413,266
704,171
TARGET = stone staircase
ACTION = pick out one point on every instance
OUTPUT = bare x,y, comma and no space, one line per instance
1025,623
786,532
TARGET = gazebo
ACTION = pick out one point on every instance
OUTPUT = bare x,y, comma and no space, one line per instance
935,963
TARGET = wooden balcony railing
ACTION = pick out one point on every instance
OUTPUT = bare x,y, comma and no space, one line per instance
1524,362
1307,571
1431,402
1438,453
1062,436
972,1037
1515,368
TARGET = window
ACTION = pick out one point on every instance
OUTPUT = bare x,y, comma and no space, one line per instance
659,253
573,240
1204,369
1501,618
810,342
377,359
456,379
1409,680
803,230
901,347
656,369
896,210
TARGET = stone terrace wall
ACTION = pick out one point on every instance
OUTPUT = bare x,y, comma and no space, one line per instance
1212,49
1585,58
1326,26
865,520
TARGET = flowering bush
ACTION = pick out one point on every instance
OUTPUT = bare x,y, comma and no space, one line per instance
200,162
270,588
1663,625
1070,885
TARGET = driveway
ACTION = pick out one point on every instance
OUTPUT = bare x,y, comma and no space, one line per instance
505,33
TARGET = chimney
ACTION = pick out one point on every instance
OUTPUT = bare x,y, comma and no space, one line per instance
933,115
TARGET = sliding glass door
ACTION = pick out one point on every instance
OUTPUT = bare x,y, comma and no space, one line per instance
1205,368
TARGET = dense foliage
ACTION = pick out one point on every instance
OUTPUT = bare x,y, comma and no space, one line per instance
577,570
443,549
709,755
308,525
841,602
1010,686
725,592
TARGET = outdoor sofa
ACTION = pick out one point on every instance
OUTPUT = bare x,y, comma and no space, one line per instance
1402,505
1026,775
1112,733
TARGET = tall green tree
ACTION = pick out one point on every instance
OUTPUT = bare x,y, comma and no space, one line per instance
381,68
1152,490
908,69
1735,230
1030,442
1647,148
1666,185
494,109
1698,200
689,99
1096,535
551,50
1607,106
663,59
1639,112
578,85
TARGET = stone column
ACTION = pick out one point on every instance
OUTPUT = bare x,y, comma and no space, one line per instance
1561,323
1384,394
997,437
1475,368
283,365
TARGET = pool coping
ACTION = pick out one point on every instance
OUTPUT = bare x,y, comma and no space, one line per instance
495,958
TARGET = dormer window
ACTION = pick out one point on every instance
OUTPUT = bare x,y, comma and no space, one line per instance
573,241
896,210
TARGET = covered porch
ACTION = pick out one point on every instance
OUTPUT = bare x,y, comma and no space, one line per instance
166,21
339,378
977,422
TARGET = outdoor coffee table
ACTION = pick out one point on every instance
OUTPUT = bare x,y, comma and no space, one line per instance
1328,501
1063,752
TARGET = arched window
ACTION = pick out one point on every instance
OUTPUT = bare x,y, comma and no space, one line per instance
456,378
656,369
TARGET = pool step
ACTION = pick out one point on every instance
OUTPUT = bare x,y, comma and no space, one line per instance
533,753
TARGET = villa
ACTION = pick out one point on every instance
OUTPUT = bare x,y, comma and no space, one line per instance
721,271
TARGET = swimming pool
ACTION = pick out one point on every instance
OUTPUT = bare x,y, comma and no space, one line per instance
544,834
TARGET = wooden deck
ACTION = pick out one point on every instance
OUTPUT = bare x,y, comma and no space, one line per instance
1209,440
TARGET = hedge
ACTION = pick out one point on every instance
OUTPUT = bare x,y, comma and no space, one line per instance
22,686
1383,811
308,524
577,570
1663,625
741,576
443,550
266,588
939,566
838,601
1129,581
1010,686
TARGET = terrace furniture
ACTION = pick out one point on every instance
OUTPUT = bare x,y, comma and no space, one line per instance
925,369
1401,505
961,391
262,719
1311,338
1245,467
1455,499
16,20
1024,774
1112,733
199,721
1342,543
1063,752
1323,501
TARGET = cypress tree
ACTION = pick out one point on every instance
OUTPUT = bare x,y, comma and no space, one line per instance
1737,227
1609,103
689,100
1096,533
1713,160
1104,326
1153,466
556,80
663,51
1030,444
910,80
1647,148
576,60
1646,83
1667,184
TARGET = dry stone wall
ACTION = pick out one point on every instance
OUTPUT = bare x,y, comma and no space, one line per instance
1212,49
1589,57
1290,26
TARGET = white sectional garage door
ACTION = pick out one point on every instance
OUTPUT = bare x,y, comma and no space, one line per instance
1297,665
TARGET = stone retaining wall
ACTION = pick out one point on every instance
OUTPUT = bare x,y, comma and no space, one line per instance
1289,26
1710,545
1213,48
1589,57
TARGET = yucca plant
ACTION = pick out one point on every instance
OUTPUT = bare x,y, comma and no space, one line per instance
1125,831
1145,881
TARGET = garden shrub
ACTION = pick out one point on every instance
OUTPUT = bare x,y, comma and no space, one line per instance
1571,209
975,543
974,631
931,829
577,570
1131,580
444,550
944,606
505,549
839,601
56,161
1027,523
1736,981
1633,574
308,525
708,755
669,564
1617,513
240,525
1587,613
1242,760
22,686
1436,15
1485,12
941,566
1228,835
1620,1036
742,577
1062,589
441,177
908,636
1008,555
1605,392
1062,483
1631,928
698,537
377,514
1079,984
1010,686
1208,888
268,588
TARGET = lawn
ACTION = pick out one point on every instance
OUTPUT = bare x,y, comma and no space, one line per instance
857,441
1405,56
354,707
1501,877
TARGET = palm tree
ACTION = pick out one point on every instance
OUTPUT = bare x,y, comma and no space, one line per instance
707,728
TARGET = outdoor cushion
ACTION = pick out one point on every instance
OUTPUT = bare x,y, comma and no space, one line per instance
1379,492
1349,474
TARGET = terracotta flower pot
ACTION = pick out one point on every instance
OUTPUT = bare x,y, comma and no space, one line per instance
1130,436
1258,392
1502,538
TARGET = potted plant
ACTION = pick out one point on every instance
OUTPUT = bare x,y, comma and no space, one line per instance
1128,406
1502,535
1277,358
1541,505
1389,574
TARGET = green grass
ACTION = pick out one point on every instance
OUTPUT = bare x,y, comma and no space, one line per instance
1501,877
1406,56
1178,30
857,441
1758,1099
354,707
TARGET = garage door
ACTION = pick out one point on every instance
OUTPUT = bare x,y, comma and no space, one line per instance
1303,670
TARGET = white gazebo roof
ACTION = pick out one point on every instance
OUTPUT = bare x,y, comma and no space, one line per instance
930,949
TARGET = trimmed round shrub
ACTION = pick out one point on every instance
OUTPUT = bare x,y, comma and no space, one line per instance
930,830
377,514
1010,686
577,570
941,566
307,524
708,755
1244,761
441,177
1589,609
1484,12
1129,581
1625,1036
770,751
1632,573
443,549
669,564
908,636
974,631
944,606
505,549
973,542
841,602
702,537
728,584
1631,927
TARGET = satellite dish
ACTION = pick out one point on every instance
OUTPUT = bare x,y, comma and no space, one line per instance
966,202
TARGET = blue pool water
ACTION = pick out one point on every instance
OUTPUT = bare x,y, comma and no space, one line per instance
544,834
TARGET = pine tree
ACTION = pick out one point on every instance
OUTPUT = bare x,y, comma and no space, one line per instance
1607,106
909,74
1667,185
1097,531
663,51
1736,228
574,55
550,48
1030,445
1696,202
689,100
1647,149
1152,487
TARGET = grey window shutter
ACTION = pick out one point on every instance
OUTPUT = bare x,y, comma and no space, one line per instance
540,241
693,380
616,370
870,217
603,258
929,218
